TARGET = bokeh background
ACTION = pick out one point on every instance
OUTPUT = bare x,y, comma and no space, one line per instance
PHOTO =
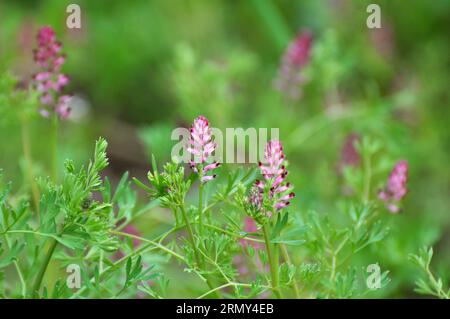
141,68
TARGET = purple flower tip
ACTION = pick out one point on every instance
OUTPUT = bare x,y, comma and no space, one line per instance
395,188
49,81
297,55
201,146
274,172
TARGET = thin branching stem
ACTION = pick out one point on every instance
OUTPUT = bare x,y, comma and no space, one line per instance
236,284
194,246
163,248
273,264
286,256
55,147
200,209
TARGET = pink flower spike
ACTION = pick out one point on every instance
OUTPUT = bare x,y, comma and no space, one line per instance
395,188
274,173
297,55
49,81
201,146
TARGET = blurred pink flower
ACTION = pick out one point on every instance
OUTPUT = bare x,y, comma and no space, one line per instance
349,153
242,261
201,146
290,75
383,40
49,81
250,227
395,188
274,172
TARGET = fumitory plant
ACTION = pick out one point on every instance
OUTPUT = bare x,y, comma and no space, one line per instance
69,229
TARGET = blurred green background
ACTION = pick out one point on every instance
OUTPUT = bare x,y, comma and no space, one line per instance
141,68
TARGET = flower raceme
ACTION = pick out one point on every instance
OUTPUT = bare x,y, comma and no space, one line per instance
201,146
295,58
273,186
395,188
49,81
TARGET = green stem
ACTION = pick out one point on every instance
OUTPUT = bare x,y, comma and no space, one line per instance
42,270
273,262
29,166
190,235
235,284
163,248
286,257
55,147
200,209
226,232
194,246
440,291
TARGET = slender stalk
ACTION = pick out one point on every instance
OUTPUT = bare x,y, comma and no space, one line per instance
29,166
200,209
440,291
100,268
273,267
167,250
190,235
226,232
55,147
20,231
194,246
286,256
333,266
235,284
42,270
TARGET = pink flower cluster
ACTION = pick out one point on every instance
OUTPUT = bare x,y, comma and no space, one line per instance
201,146
395,188
295,58
49,81
274,173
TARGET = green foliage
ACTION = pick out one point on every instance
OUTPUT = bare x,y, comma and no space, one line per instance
169,237
430,285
